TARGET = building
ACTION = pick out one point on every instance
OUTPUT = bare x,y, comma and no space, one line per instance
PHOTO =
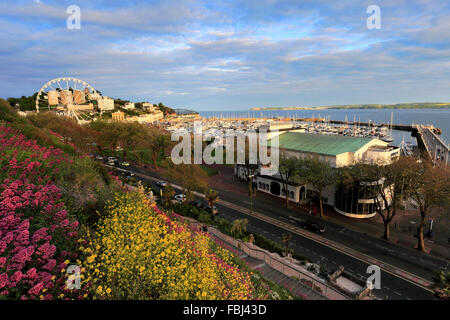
147,118
147,106
353,201
105,103
337,150
118,116
94,95
129,106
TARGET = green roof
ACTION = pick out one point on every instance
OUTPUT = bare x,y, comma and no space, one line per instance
320,144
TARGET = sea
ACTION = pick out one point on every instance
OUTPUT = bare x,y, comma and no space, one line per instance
440,118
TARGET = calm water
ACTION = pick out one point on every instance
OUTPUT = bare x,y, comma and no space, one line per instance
440,118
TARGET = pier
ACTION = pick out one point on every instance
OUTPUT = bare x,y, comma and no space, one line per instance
431,144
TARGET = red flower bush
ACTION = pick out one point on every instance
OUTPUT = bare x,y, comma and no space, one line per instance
36,234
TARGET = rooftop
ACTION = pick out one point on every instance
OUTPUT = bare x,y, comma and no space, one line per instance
320,144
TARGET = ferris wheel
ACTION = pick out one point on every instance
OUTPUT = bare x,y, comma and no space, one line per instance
67,96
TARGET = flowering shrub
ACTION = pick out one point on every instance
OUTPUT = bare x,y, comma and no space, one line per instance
36,233
138,252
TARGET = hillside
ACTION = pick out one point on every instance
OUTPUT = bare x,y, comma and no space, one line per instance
61,210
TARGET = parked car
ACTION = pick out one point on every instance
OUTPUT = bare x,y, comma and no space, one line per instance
180,197
111,159
111,162
161,183
313,227
99,157
125,163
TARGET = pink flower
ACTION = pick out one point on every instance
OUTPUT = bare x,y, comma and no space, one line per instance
36,289
15,278
39,235
31,274
3,280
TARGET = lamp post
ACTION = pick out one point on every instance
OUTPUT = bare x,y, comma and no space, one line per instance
250,190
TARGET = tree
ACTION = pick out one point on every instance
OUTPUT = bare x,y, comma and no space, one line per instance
386,187
286,239
428,188
318,174
159,145
167,194
289,170
189,182
212,196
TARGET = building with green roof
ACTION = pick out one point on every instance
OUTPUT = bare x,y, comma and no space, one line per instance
338,150
352,201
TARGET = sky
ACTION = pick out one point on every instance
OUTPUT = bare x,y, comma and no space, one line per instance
231,55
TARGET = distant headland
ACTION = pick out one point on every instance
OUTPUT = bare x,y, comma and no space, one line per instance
412,105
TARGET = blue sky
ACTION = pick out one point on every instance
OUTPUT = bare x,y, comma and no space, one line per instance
230,55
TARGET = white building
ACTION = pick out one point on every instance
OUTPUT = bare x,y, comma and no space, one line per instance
338,151
148,106
129,106
105,103
147,118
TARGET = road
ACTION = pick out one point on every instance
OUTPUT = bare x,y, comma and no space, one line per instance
392,285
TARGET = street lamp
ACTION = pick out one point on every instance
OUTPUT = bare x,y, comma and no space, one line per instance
250,190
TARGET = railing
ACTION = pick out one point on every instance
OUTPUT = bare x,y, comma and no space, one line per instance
288,268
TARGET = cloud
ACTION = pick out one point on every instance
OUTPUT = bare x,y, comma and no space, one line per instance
203,54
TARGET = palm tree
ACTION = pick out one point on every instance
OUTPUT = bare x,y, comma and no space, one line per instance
286,238
212,196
